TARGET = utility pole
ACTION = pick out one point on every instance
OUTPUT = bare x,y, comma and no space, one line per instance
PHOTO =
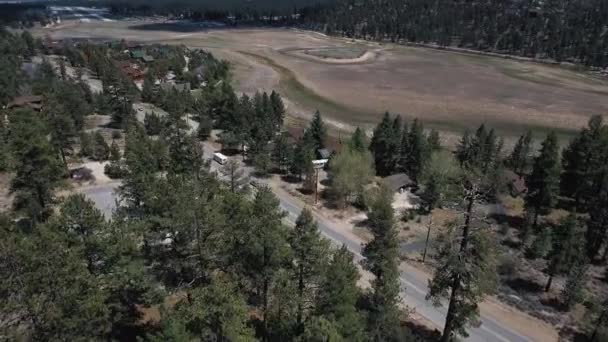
316,185
428,234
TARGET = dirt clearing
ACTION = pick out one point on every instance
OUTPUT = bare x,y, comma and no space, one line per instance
354,82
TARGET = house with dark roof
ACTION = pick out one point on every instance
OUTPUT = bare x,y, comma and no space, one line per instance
398,182
515,183
33,102
324,153
137,54
180,87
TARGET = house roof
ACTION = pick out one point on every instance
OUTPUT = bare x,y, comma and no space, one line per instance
137,54
514,181
147,58
324,153
398,181
177,86
32,101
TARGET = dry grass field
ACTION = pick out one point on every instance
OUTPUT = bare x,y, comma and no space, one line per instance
353,83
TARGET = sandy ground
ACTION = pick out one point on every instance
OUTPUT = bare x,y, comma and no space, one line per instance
449,91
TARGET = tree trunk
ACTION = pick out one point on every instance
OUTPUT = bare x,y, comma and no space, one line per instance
65,162
449,318
265,306
597,325
426,244
300,296
451,315
549,281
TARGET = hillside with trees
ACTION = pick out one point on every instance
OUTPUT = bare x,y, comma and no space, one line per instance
562,30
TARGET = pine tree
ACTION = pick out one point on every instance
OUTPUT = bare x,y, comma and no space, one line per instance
385,146
86,145
278,109
418,151
574,289
262,162
566,248
37,168
205,125
237,181
542,244
319,329
318,131
431,195
62,128
147,93
404,148
115,169
583,160
543,182
339,293
597,224
215,312
358,141
434,141
467,270
520,160
382,254
303,156
265,248
101,150
51,287
282,153
153,123
309,254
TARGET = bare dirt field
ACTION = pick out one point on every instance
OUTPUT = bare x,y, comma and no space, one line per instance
353,82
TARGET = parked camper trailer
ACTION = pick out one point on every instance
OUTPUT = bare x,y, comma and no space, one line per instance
220,158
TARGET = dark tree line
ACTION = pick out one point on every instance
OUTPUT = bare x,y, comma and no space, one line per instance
399,147
563,30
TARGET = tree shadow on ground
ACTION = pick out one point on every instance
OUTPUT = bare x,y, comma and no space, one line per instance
555,303
520,284
421,331
511,243
291,179
510,220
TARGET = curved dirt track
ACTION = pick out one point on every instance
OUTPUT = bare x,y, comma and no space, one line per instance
369,56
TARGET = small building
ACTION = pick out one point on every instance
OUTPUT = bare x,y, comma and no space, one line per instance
33,102
137,54
147,59
398,182
324,153
180,87
515,183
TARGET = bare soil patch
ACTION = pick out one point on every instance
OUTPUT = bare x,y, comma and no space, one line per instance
449,91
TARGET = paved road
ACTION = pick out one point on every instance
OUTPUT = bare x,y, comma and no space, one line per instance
414,288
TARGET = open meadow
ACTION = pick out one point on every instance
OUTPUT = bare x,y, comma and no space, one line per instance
353,82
